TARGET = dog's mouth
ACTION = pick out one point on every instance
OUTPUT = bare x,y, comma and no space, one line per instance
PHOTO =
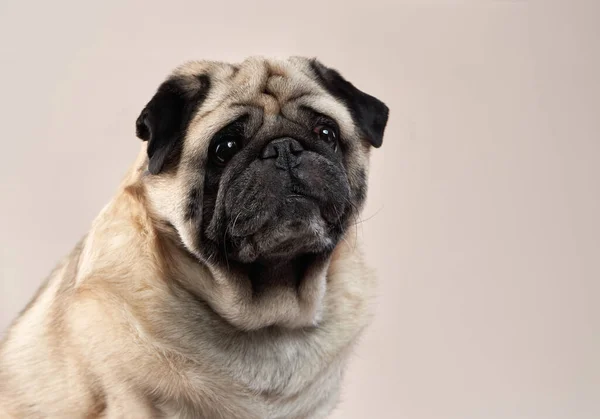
297,226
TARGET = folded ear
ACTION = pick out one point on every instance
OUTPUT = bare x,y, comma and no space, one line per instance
164,120
369,113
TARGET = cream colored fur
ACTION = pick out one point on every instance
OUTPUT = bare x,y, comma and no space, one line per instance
131,325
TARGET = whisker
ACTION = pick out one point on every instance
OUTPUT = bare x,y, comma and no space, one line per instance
235,220
339,222
370,217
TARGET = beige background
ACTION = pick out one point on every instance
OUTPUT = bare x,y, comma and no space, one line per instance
484,200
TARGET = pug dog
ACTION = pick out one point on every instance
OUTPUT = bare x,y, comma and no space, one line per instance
224,280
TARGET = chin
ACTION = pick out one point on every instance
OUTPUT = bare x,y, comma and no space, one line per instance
285,239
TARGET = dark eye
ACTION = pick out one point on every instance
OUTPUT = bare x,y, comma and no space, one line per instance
327,134
224,150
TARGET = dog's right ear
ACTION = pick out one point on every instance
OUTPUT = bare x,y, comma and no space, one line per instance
164,120
369,113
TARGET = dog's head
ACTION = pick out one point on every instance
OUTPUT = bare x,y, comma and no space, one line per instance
260,167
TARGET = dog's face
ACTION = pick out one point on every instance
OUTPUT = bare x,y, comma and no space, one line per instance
262,163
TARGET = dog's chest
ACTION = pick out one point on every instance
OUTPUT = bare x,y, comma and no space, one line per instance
277,379
291,377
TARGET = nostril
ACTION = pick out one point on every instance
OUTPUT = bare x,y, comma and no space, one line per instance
269,152
296,147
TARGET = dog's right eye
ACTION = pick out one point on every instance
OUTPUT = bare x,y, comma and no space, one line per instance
224,150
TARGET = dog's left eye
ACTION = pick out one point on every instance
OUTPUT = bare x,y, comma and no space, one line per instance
327,134
224,150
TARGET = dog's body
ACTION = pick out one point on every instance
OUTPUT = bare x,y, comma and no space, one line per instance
186,301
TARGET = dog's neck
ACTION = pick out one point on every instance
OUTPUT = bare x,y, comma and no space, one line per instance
266,293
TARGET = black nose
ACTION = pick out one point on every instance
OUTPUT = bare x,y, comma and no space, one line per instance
286,152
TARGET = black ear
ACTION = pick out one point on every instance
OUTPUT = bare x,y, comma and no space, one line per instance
369,113
164,120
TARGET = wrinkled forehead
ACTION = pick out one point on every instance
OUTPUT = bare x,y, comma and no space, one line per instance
273,87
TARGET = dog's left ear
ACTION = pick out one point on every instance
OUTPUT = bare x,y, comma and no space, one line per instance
370,113
164,120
